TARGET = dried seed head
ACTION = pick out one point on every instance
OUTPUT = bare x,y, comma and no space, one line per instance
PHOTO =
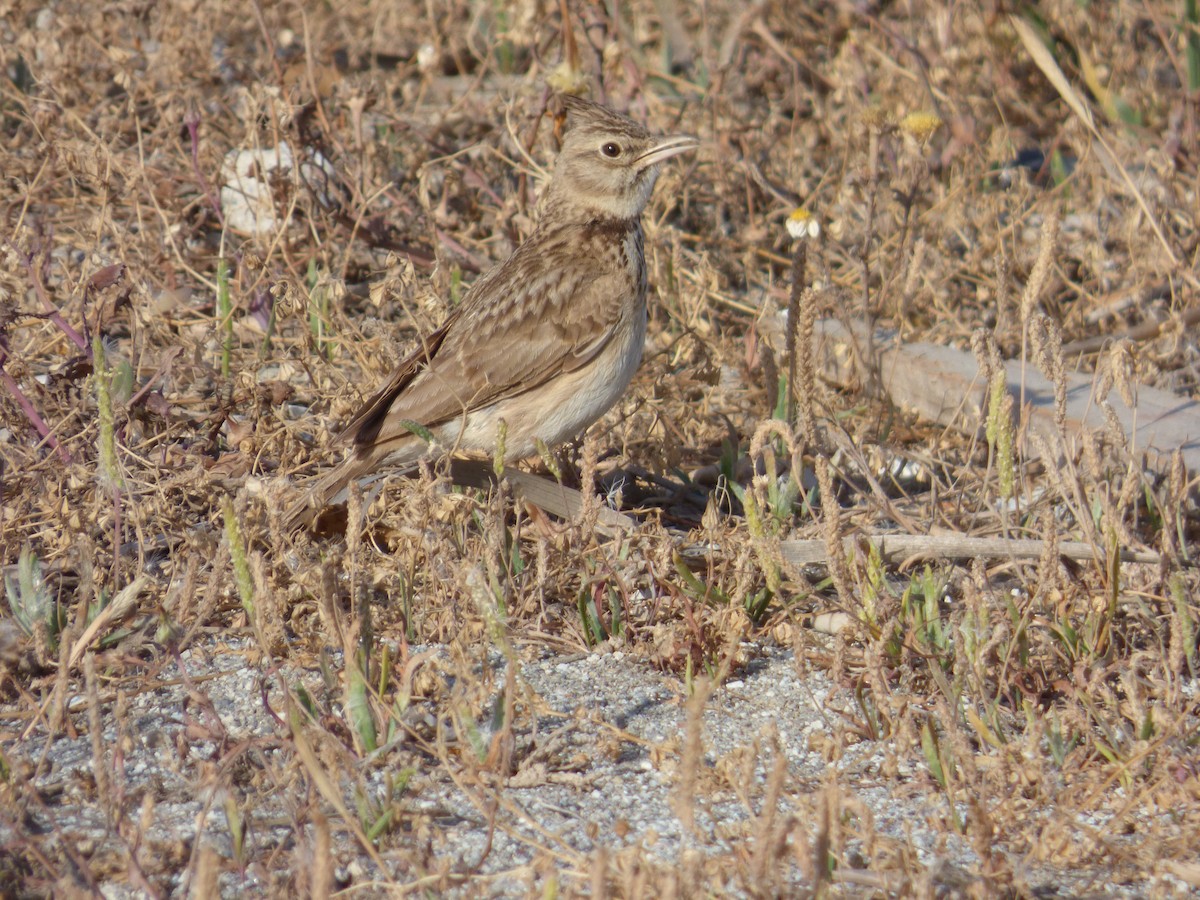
568,79
1121,367
1041,268
877,119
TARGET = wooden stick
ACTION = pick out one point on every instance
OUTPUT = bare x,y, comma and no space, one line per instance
904,548
566,503
548,495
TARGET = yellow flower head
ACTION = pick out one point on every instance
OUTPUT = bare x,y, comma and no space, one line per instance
921,125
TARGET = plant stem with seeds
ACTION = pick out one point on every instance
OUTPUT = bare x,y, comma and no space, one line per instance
224,316
108,469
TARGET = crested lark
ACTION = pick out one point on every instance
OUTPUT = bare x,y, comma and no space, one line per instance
545,342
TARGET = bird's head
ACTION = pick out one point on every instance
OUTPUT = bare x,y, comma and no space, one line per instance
608,163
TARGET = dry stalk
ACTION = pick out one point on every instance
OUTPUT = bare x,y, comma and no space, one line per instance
121,742
589,514
355,514
1049,571
913,273
1046,340
327,603
762,518
1038,276
1040,272
839,567
807,366
872,377
692,758
319,777
1182,653
57,704
320,873
1002,267
206,873
770,833
1173,501
268,607
799,266
826,841
999,422
100,764
598,873
178,605
212,596
1067,483
30,411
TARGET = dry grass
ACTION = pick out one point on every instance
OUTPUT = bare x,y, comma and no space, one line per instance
183,376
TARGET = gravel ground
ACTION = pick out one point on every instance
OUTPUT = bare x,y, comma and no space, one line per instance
602,768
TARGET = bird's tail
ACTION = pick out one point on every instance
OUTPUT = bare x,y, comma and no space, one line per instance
328,490
365,466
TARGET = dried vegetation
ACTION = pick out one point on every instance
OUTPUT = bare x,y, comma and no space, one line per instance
168,377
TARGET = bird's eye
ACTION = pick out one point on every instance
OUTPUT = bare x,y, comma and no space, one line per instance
612,149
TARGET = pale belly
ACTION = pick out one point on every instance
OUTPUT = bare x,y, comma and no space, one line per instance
559,410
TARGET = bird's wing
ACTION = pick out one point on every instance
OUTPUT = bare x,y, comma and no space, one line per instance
365,425
524,323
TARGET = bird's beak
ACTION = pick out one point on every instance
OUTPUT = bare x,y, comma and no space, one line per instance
667,147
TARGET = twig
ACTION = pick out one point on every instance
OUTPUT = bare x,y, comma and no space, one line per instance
164,366
192,122
551,496
1143,332
799,260
51,310
35,419
903,548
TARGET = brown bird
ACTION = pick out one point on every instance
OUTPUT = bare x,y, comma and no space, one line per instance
545,342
